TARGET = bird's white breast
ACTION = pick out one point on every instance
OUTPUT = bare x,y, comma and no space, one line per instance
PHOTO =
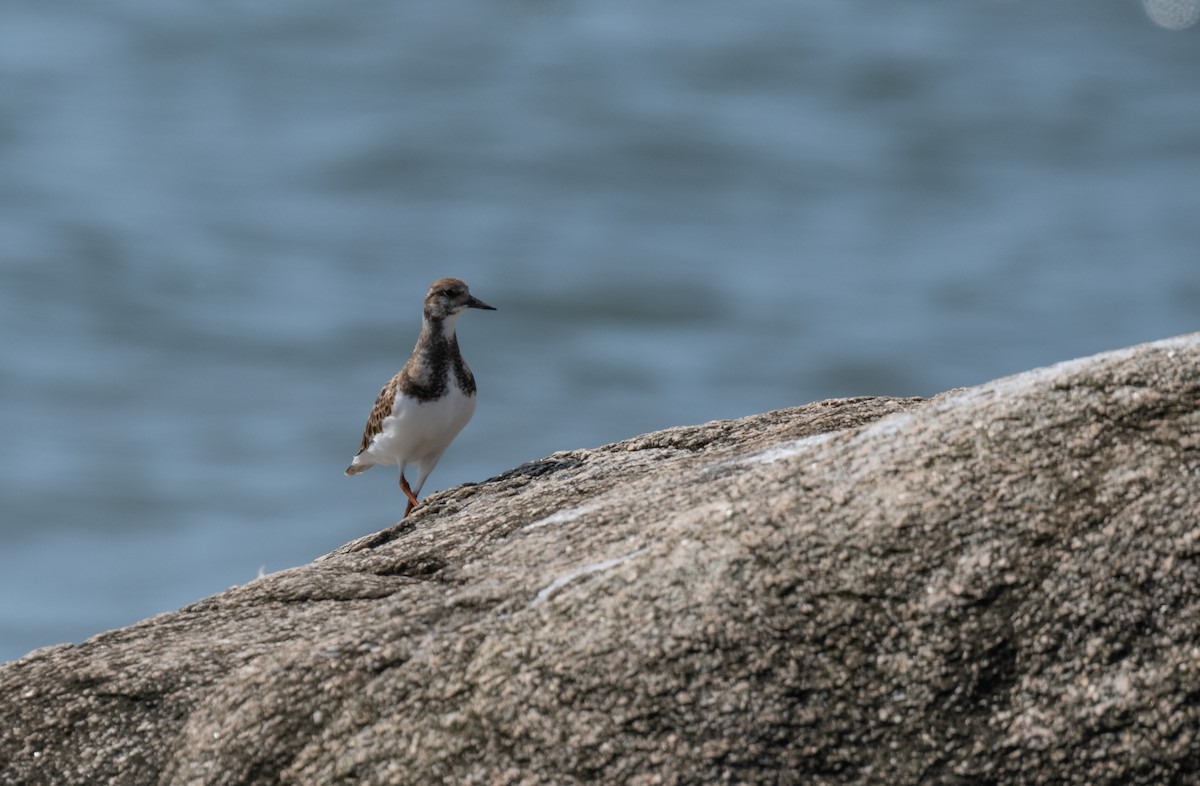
419,431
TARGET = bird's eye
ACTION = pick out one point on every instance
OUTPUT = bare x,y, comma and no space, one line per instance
449,293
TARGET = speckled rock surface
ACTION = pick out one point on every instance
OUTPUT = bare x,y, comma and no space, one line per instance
1000,585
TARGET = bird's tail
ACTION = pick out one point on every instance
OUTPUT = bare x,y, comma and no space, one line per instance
357,466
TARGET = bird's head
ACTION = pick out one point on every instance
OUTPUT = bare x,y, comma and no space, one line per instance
449,297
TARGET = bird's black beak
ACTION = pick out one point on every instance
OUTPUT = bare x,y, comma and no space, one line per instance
474,302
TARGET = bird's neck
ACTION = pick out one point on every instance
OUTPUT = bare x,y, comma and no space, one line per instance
438,330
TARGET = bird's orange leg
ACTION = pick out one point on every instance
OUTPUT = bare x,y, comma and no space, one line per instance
408,492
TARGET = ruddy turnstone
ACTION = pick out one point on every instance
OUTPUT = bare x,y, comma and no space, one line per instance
420,412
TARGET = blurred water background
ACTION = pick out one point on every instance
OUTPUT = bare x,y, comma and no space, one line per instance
217,222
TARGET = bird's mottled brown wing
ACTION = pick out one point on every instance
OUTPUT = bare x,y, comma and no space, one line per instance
382,408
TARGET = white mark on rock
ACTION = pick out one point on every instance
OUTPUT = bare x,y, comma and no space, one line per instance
885,425
563,516
586,570
1025,382
779,452
1030,380
787,450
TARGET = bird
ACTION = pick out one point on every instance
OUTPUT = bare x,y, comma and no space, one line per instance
420,411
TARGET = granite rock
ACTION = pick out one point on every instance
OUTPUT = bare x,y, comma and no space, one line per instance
999,585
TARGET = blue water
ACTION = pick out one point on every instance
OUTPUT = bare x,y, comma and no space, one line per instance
217,223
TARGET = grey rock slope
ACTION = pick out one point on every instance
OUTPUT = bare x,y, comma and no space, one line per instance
1000,585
